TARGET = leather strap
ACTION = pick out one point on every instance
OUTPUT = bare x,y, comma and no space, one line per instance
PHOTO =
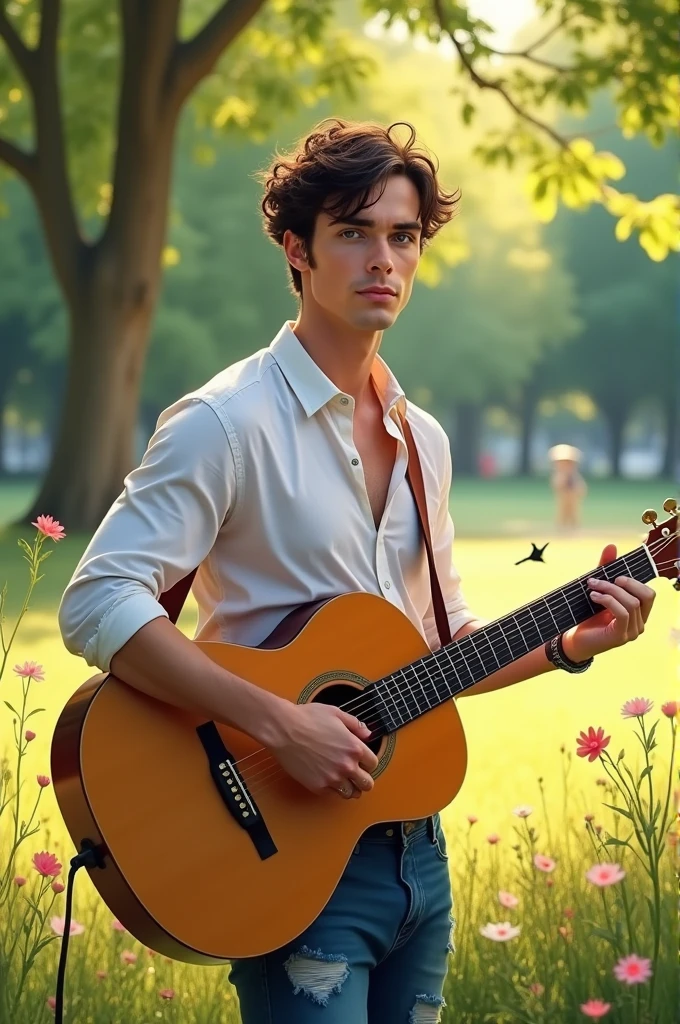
173,600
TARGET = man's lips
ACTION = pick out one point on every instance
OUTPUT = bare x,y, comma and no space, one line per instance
387,292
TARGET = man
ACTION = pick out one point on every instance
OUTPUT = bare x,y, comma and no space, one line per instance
284,478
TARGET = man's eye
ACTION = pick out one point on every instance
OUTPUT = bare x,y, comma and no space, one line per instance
404,234
349,231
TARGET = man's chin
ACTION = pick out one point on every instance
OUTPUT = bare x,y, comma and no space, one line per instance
374,320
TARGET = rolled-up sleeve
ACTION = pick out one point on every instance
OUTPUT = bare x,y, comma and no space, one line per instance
158,530
442,548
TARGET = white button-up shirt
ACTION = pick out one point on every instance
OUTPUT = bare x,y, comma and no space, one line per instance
255,478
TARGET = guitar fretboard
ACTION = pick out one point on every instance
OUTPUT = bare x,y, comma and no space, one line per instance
424,684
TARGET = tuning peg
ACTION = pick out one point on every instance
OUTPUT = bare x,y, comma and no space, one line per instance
676,584
670,505
649,517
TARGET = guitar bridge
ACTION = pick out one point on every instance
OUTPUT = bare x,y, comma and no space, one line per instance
234,791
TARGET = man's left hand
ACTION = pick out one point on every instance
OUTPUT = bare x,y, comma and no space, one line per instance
626,605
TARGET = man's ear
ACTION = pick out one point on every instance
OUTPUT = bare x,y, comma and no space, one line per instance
295,250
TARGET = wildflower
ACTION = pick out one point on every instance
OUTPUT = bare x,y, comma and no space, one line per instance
633,969
57,925
117,926
43,780
30,670
51,1002
523,811
29,735
167,993
128,957
102,974
670,708
637,706
536,988
591,744
19,880
50,527
595,1008
506,899
565,932
46,864
151,952
600,782
605,874
544,863
57,886
472,819
493,838
549,882
568,913
500,932
588,817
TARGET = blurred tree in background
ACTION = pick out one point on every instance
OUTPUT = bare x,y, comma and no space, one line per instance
91,98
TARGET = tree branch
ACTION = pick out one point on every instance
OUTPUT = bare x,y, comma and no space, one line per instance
196,57
23,56
496,86
19,160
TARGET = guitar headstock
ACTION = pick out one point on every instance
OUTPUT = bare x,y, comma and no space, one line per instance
663,541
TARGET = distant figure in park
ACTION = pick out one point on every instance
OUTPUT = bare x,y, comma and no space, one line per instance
569,486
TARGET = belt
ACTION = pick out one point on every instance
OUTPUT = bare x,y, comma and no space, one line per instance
392,829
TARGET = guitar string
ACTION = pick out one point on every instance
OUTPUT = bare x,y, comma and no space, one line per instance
365,700
269,762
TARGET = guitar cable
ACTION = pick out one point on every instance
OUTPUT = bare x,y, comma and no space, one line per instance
91,856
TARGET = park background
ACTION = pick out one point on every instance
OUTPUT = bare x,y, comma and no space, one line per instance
547,312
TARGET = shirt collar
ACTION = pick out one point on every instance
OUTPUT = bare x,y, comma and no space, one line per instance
311,385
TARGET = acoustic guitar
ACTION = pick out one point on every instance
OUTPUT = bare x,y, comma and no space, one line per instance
208,850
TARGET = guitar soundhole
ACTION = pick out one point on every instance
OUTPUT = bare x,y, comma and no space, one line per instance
349,699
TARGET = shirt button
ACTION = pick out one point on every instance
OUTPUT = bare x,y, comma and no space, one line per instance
387,584
355,462
389,832
344,401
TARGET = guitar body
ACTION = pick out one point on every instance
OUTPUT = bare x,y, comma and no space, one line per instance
180,873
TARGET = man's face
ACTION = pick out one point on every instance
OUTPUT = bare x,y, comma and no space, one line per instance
378,248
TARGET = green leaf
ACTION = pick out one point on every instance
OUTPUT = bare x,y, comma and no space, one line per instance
620,810
613,841
622,754
468,113
604,933
646,771
34,712
650,735
12,709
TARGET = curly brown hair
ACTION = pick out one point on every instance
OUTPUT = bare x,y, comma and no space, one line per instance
335,169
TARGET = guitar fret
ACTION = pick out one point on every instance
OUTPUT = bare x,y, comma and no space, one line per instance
442,674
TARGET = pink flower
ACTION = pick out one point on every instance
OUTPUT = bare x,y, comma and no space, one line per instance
19,880
128,957
167,993
565,932
544,863
595,1008
51,1002
500,932
43,780
493,838
568,912
29,735
591,744
523,811
633,969
57,925
50,527
536,988
46,864
636,706
506,899
57,887
472,819
102,974
605,874
670,708
30,670
117,926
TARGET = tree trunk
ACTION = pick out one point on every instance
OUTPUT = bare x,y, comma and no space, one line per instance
527,410
467,438
617,416
670,469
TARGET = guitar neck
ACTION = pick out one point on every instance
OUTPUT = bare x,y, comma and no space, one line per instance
425,684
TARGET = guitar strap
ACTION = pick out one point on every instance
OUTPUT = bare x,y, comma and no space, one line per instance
173,600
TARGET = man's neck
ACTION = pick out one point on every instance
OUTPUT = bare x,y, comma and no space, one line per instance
345,356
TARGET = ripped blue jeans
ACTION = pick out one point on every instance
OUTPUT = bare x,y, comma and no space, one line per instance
378,951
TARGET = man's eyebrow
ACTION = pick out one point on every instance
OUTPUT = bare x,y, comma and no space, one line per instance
365,222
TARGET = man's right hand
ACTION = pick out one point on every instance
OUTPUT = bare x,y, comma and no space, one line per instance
323,748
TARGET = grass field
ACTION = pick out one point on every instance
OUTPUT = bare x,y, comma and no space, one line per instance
514,738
